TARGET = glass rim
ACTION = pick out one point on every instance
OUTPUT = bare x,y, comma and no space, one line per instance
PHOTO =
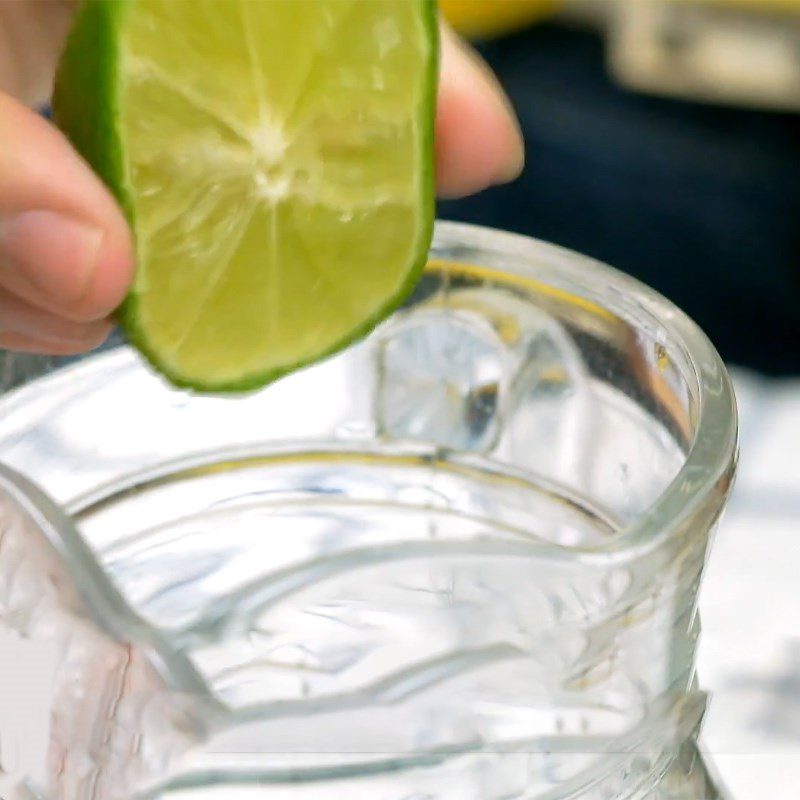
712,455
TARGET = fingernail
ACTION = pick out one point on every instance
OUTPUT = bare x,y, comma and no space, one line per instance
55,254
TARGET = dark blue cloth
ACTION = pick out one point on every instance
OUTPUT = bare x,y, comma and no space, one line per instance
702,203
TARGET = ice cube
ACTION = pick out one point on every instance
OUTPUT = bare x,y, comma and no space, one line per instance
441,380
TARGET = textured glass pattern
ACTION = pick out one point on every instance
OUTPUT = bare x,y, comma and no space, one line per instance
459,561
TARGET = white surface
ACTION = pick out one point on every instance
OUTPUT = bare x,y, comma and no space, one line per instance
749,656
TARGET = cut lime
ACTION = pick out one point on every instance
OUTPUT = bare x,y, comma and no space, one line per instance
275,160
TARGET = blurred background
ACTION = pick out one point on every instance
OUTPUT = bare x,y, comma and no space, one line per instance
663,137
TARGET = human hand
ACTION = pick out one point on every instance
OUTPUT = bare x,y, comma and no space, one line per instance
66,254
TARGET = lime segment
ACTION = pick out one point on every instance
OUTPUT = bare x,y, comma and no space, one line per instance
275,160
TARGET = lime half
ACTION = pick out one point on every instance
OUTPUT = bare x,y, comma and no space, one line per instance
275,160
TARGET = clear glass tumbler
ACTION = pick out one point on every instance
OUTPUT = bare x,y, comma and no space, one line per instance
458,561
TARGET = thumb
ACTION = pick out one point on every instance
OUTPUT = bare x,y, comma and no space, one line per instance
65,248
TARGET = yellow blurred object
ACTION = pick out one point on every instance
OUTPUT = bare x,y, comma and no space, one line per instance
484,18
479,18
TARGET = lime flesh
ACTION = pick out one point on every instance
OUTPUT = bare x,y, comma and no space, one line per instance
275,161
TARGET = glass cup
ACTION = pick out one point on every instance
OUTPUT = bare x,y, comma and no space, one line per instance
457,561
